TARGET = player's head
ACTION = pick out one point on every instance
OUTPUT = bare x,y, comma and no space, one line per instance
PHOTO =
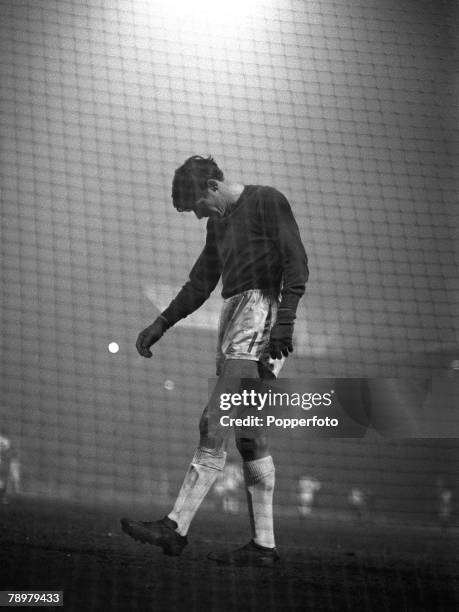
196,185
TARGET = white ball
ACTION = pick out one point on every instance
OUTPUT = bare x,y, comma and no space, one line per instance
113,347
169,385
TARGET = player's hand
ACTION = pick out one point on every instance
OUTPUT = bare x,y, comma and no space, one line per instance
150,335
281,338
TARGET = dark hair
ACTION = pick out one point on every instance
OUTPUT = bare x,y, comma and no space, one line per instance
190,181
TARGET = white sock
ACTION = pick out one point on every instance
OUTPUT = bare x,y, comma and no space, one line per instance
204,469
259,476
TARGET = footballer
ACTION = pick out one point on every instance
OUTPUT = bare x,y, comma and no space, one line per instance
253,244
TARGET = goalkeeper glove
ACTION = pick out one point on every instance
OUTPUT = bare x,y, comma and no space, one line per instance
150,335
281,338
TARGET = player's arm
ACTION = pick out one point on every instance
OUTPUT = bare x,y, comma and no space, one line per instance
283,229
202,281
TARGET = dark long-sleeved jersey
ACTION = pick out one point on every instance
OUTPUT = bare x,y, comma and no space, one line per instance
257,245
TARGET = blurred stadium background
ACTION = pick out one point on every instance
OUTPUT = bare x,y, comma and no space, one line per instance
349,108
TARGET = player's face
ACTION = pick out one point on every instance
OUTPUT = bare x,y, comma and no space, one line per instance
212,203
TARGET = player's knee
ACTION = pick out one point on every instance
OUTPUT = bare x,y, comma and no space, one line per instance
210,437
252,448
206,437
204,426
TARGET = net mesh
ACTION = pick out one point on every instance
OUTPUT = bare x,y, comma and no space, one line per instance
348,108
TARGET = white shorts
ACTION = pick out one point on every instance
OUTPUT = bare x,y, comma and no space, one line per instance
245,324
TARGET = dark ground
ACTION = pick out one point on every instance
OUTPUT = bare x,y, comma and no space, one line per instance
326,565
